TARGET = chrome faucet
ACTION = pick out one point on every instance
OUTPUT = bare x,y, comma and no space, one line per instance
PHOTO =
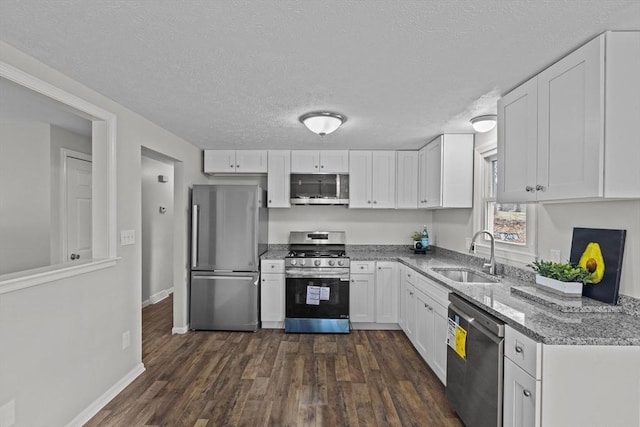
492,260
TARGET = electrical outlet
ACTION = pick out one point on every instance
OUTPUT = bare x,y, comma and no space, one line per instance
555,255
467,243
126,340
127,237
8,414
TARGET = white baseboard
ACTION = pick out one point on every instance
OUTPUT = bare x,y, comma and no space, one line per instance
273,325
102,401
157,297
180,330
375,326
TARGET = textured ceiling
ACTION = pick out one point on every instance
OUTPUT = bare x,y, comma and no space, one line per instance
238,74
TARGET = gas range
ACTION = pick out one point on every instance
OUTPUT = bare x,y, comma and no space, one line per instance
317,249
317,283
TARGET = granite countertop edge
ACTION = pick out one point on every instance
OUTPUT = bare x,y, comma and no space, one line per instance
543,322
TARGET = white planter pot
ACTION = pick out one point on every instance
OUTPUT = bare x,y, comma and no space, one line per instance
564,288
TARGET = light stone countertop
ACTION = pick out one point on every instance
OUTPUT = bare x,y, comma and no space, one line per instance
539,315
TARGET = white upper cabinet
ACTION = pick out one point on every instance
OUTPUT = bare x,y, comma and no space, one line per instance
326,161
518,143
372,179
446,172
407,180
578,114
235,161
279,179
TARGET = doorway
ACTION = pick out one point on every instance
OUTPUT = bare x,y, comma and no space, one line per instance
158,225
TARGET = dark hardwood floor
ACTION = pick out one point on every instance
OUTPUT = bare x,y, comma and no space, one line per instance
269,378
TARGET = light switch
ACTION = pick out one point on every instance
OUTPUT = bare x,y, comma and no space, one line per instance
127,237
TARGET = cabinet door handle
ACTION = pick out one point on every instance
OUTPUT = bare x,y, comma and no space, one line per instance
237,166
375,201
539,187
518,349
230,166
528,189
527,393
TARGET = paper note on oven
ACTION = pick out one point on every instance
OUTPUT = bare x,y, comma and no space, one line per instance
457,338
313,295
324,293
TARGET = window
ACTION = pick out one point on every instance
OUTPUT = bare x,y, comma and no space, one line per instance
512,224
507,221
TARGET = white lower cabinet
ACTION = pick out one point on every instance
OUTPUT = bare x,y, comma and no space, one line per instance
410,312
521,403
373,292
272,296
362,298
387,292
424,310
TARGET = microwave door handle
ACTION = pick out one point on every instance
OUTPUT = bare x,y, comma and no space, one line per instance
194,236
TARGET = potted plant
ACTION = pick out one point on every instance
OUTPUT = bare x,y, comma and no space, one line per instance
561,277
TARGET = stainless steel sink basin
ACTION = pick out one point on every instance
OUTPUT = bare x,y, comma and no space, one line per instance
464,275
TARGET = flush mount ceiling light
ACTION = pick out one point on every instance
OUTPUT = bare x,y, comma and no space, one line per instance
322,122
484,123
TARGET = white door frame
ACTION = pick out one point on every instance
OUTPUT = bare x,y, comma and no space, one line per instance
65,154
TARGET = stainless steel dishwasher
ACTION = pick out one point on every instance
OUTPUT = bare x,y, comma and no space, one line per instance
475,350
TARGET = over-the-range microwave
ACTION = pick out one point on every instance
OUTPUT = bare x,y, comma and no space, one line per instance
319,189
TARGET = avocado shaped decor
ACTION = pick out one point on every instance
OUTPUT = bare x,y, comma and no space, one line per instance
599,251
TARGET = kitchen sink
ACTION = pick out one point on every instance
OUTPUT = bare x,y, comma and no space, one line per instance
465,275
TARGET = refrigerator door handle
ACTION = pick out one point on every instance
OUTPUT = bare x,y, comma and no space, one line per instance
194,236
257,280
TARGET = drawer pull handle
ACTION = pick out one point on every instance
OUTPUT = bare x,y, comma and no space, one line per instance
527,393
518,349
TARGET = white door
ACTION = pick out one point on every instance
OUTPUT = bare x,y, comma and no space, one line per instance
305,161
362,298
334,161
219,161
387,292
518,143
407,180
383,179
279,179
434,174
570,125
360,179
78,210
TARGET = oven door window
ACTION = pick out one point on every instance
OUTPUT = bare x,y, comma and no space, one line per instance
317,298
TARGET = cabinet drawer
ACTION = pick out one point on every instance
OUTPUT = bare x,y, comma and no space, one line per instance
272,266
410,275
523,351
362,267
434,290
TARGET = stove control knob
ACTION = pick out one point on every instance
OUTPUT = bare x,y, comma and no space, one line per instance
302,262
316,263
331,262
294,262
340,263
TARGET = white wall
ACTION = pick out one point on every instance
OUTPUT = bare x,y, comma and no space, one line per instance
24,196
157,230
61,342
362,226
61,138
555,228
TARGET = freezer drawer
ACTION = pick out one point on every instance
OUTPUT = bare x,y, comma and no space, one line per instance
224,302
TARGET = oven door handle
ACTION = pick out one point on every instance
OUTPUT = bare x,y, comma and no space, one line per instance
298,274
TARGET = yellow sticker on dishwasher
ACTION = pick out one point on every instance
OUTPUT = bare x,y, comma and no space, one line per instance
457,338
461,342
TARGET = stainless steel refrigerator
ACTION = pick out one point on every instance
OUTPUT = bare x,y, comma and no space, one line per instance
229,232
